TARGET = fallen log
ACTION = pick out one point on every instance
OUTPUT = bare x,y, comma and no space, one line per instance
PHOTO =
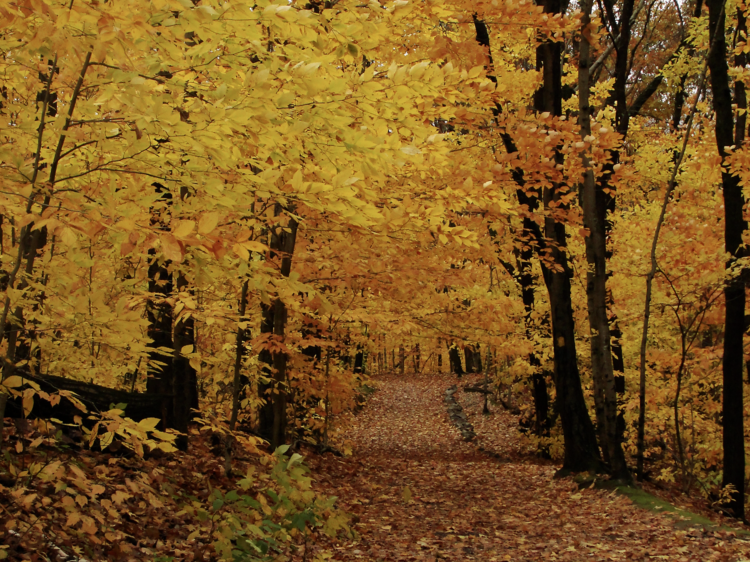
470,388
94,397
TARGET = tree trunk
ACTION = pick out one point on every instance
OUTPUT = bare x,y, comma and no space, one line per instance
594,215
94,397
469,358
160,368
359,360
185,385
272,415
538,378
581,451
734,226
454,357
477,358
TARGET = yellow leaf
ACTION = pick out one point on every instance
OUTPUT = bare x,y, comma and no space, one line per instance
171,248
126,224
241,251
149,424
208,222
118,497
73,518
69,237
28,402
106,439
184,228
255,246
137,445
186,349
13,382
476,71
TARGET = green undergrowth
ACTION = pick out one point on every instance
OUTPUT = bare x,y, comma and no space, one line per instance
684,519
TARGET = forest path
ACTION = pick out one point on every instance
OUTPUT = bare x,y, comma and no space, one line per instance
420,493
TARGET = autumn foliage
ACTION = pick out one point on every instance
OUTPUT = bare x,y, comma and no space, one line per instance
234,212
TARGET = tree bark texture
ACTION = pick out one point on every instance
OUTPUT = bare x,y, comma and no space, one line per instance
581,450
95,398
185,383
160,369
454,357
734,226
525,279
594,216
272,415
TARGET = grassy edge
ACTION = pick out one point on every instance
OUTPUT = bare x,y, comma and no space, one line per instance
684,519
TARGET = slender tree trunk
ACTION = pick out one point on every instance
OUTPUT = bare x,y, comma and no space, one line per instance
31,242
652,273
581,450
185,385
734,226
594,215
237,379
525,279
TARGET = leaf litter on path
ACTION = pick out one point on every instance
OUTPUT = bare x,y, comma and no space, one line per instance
418,492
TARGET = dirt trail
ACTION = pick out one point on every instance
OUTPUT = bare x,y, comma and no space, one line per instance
418,492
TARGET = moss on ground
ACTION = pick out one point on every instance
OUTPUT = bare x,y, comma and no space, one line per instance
684,519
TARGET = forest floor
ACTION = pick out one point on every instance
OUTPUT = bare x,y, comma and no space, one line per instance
418,492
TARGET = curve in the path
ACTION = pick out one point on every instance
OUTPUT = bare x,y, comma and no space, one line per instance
418,491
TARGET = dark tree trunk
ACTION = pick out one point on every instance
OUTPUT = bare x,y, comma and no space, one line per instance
734,226
594,203
581,450
272,415
95,398
185,385
454,357
477,358
539,378
469,358
160,369
541,403
359,361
